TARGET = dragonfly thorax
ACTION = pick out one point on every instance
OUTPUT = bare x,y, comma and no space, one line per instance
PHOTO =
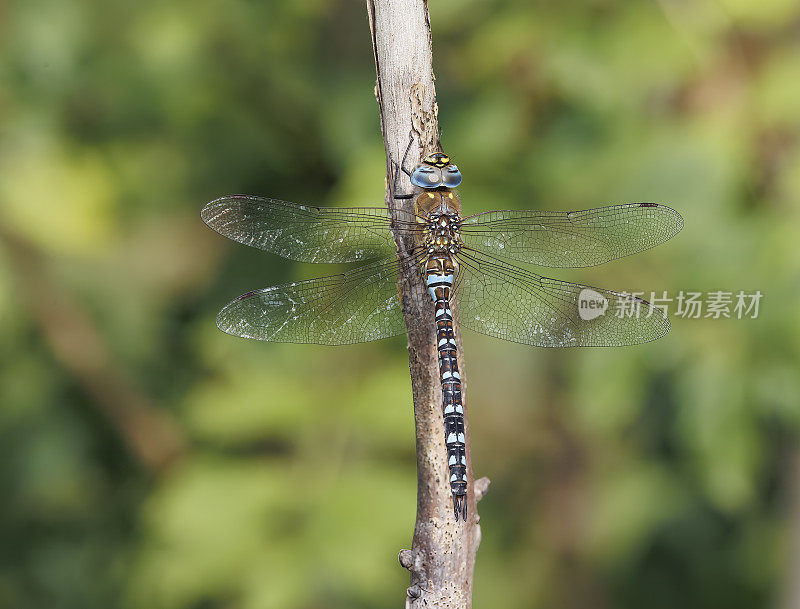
434,202
442,233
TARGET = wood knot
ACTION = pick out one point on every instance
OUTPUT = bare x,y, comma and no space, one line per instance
406,558
481,486
414,591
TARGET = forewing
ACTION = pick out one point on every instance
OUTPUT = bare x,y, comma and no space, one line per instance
358,306
571,239
301,232
507,302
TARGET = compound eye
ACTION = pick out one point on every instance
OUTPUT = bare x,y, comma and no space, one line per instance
451,176
426,177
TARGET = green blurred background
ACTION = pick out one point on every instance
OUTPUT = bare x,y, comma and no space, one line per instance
148,460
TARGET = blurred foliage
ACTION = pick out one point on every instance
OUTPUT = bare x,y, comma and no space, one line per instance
657,476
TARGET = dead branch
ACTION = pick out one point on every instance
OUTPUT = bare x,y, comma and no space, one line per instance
442,556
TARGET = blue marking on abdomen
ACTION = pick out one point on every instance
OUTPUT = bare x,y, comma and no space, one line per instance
435,281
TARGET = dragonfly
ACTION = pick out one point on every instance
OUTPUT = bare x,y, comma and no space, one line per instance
469,259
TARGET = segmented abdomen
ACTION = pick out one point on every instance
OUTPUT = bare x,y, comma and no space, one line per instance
439,287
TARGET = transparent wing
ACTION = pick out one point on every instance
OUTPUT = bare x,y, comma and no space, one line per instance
507,302
571,239
358,306
300,232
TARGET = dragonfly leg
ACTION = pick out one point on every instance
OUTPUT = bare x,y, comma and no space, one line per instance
396,169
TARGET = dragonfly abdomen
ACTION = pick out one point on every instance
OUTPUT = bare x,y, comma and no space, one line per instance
439,279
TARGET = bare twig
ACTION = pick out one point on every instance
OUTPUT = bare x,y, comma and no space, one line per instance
442,556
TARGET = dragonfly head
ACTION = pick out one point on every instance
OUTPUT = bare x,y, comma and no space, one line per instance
436,171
